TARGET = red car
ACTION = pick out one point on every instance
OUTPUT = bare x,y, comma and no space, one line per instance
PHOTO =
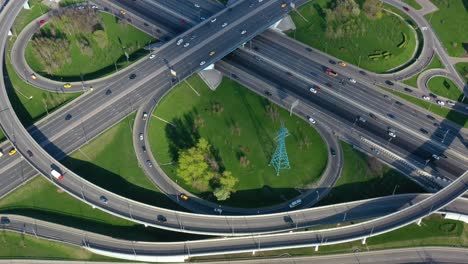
41,22
406,9
331,72
183,21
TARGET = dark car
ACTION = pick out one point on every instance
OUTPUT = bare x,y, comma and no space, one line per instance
267,93
143,148
4,220
108,92
103,199
398,103
391,115
289,74
424,131
388,82
308,49
161,218
68,117
328,84
408,90
332,62
288,219
406,9
372,116
333,152
432,95
30,154
132,76
430,117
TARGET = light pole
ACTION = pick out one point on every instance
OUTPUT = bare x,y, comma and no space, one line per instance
394,189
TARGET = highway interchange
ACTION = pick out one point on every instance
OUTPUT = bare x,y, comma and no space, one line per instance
457,151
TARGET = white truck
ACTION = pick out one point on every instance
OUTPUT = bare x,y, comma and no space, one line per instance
56,175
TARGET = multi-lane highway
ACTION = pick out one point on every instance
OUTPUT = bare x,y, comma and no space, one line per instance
15,131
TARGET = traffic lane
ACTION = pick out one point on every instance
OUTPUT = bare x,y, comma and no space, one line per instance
358,91
338,108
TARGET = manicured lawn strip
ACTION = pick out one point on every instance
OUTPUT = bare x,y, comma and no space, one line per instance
109,161
121,38
453,116
462,68
70,2
445,87
41,102
258,184
434,231
447,23
359,180
383,35
413,4
19,246
434,64
26,16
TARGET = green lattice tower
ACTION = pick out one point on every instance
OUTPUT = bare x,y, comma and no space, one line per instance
280,159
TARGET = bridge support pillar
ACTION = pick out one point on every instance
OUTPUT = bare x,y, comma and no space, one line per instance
364,241
10,33
26,5
419,222
316,248
211,77
146,225
284,24
253,253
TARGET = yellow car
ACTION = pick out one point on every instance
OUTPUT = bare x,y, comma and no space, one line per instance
342,63
67,85
283,5
183,197
33,76
212,53
123,12
12,152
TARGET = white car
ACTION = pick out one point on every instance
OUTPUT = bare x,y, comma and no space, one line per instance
439,102
218,210
145,116
186,44
197,5
435,157
243,32
141,136
311,120
392,134
179,42
425,97
351,80
312,90
213,20
94,7
450,103
202,63
224,24
152,56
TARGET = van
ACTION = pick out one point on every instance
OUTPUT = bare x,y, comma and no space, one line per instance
56,175
295,203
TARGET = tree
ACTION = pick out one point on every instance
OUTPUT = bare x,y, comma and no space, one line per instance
373,9
193,167
227,183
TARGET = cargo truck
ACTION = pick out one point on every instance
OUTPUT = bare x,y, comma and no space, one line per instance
56,175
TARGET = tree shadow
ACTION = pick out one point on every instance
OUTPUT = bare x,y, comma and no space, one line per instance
181,134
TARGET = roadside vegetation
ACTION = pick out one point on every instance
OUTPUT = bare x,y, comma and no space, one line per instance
434,231
108,161
434,64
37,8
445,87
365,177
240,128
462,68
20,246
447,23
453,116
63,48
363,33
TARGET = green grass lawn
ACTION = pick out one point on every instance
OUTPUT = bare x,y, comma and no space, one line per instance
380,35
445,87
448,23
462,68
121,38
110,162
258,183
414,4
29,102
26,16
365,177
453,116
434,64
434,231
19,246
